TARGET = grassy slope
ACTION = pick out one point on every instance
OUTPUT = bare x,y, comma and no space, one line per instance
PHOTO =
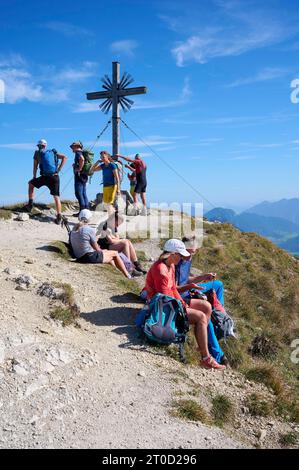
262,291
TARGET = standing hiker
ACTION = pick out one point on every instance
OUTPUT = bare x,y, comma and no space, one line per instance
111,181
48,163
141,182
81,177
132,178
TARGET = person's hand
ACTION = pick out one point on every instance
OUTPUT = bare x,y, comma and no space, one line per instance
210,276
195,286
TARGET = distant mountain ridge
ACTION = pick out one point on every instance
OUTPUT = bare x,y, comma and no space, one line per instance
285,208
277,229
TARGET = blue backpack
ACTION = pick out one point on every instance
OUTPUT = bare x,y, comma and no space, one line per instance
48,162
163,320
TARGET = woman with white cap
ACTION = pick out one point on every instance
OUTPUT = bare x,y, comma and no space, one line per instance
161,279
86,249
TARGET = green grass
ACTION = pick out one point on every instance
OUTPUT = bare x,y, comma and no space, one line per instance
69,312
61,249
289,439
189,410
261,283
141,255
5,214
257,406
268,376
222,410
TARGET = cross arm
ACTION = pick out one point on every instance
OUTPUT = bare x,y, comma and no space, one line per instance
97,95
132,91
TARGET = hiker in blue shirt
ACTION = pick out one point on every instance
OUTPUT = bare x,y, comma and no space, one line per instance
50,163
183,277
81,178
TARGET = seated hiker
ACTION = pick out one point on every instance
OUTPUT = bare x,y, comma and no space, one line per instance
205,282
110,239
111,180
48,163
85,248
80,176
161,279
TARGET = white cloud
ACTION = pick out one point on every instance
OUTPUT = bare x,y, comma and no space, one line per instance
22,146
46,84
67,29
262,76
126,47
235,28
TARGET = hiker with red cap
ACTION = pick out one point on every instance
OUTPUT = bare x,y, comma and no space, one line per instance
161,279
141,181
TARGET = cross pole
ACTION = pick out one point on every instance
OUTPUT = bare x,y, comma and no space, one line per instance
115,96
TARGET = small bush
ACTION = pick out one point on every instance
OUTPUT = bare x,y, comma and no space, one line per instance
67,315
5,214
62,249
189,410
288,439
266,375
257,406
234,352
222,410
287,409
263,347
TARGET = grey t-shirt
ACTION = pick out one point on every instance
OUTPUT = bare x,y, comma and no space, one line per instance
82,239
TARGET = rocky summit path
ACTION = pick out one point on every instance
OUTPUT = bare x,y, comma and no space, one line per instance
96,386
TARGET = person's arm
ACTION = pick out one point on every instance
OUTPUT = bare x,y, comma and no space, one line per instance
96,166
63,159
127,159
80,163
116,179
202,278
95,246
189,286
130,167
35,167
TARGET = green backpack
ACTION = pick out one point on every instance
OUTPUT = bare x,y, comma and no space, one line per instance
88,161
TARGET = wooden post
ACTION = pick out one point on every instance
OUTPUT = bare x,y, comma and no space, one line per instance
115,109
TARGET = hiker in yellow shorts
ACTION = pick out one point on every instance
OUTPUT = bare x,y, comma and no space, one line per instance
111,183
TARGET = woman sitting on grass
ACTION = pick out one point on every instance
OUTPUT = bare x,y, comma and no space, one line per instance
86,249
109,239
161,279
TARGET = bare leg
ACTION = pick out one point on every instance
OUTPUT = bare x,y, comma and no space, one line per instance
111,257
30,191
199,320
126,247
143,197
203,306
57,204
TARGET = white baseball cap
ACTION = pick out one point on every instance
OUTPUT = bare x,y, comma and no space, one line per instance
176,246
42,142
85,214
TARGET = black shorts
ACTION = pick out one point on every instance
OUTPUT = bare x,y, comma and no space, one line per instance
140,185
96,257
51,181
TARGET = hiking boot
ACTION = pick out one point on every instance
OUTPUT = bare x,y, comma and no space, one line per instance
28,208
139,268
136,273
224,361
58,219
210,363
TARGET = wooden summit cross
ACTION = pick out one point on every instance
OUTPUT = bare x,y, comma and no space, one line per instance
116,95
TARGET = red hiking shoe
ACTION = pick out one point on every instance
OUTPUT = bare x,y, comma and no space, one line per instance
210,363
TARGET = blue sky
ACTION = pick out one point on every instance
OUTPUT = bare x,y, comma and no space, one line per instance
218,106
